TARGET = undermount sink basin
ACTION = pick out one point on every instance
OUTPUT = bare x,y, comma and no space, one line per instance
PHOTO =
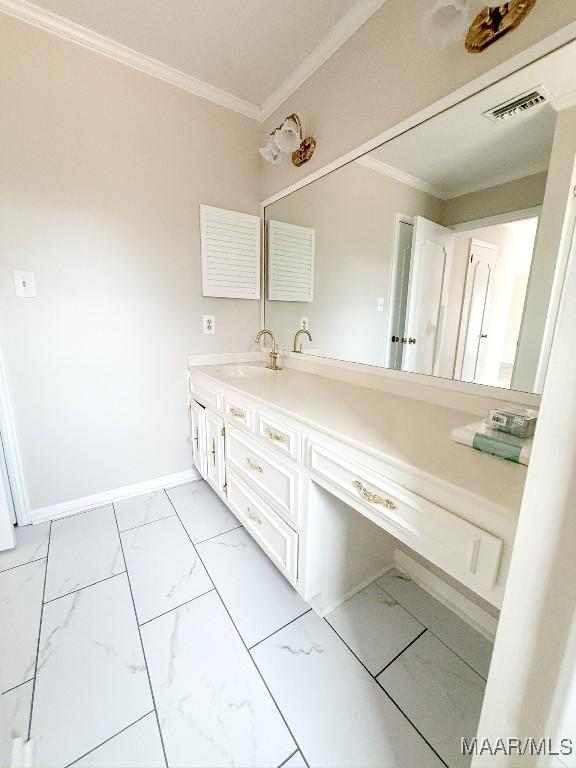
242,371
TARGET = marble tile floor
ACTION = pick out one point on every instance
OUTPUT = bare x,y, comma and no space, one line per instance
155,632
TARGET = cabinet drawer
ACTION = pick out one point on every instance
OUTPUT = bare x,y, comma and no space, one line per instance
279,435
238,413
206,396
463,550
277,481
275,537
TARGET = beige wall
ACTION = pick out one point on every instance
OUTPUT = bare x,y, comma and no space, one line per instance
387,72
517,195
353,212
102,170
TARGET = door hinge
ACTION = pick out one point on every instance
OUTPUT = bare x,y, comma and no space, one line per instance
223,431
225,489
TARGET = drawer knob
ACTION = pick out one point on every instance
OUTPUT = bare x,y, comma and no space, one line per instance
276,436
373,498
254,466
253,516
238,413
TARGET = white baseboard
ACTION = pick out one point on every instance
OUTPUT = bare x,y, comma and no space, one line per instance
458,603
67,508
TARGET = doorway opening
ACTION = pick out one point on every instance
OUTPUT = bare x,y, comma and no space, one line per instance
498,263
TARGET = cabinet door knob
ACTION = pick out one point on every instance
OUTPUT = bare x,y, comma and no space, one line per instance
253,516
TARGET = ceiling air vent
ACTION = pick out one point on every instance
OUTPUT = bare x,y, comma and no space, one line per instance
518,105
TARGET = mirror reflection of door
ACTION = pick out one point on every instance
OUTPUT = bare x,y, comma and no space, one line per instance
432,246
477,294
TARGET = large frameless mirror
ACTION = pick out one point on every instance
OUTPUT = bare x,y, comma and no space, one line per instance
431,254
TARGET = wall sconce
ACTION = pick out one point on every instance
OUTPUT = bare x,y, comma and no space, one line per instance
288,138
483,21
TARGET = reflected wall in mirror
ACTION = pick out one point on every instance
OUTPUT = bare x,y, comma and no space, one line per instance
436,252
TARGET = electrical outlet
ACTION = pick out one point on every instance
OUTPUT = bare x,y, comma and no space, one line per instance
380,306
208,324
303,323
24,286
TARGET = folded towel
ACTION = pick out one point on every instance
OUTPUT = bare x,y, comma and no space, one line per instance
501,444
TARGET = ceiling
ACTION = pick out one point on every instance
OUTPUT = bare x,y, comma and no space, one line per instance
472,152
249,49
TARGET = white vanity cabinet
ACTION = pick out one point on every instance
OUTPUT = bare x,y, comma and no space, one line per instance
272,470
207,437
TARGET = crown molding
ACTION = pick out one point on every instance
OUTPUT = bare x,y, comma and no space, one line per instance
341,32
69,30
401,176
496,181
76,33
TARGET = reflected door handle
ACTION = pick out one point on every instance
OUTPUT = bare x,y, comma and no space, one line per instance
483,335
411,340
395,339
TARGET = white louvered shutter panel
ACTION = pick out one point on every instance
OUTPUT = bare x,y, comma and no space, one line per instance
230,253
291,251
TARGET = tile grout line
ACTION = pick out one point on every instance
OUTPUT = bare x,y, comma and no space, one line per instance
279,629
217,536
21,565
288,758
33,696
86,586
176,607
148,522
445,644
108,739
141,641
298,749
411,643
386,692
13,688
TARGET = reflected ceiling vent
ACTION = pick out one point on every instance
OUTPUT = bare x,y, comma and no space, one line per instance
518,105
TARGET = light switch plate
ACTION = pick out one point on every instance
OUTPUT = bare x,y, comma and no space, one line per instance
24,286
208,324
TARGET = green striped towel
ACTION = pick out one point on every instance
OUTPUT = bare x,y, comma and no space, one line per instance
501,444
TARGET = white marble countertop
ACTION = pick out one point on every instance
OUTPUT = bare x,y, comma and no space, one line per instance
411,433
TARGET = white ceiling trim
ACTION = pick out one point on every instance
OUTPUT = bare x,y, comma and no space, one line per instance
69,30
340,33
402,176
76,33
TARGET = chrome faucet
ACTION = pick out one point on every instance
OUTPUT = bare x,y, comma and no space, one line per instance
273,364
298,348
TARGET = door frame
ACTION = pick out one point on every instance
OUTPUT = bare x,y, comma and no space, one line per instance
12,456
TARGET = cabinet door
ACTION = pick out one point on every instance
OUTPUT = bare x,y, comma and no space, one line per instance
198,437
215,469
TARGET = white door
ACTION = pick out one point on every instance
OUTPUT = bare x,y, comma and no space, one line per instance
198,437
431,260
6,508
474,340
215,468
399,293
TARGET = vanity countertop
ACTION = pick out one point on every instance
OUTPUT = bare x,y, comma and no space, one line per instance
411,434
